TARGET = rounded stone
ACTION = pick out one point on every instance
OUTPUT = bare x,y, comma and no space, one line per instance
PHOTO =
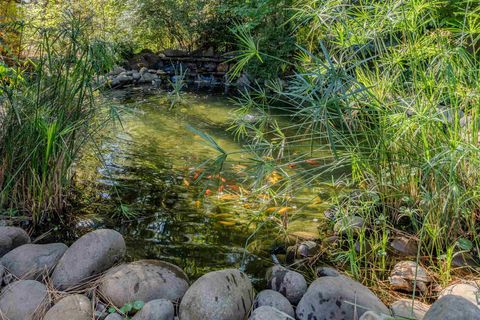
12,237
31,261
269,313
326,272
114,316
143,280
408,274
370,315
219,295
451,307
23,300
404,308
275,300
74,307
468,290
404,246
347,224
289,283
338,297
160,309
90,255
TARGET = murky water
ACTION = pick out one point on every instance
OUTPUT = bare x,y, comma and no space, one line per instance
142,185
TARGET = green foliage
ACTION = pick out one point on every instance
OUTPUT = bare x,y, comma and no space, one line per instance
47,116
128,309
390,89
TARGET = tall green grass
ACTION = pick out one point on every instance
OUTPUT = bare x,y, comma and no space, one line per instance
392,90
47,116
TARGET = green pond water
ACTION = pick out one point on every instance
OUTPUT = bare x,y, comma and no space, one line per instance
144,168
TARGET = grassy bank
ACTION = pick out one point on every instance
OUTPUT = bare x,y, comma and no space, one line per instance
391,89
48,113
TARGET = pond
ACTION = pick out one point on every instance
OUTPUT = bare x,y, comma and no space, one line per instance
140,179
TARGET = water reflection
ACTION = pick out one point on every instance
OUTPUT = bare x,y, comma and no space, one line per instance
140,173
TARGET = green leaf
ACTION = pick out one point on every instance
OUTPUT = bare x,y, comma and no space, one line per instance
465,244
112,310
137,305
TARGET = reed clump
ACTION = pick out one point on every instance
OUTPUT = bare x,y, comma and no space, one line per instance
48,112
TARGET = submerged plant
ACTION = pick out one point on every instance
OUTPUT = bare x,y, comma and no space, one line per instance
177,84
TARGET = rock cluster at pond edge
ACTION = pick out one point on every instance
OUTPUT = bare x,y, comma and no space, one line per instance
91,285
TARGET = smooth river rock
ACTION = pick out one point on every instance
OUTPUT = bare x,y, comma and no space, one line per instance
275,300
74,307
143,280
31,261
269,313
451,307
160,309
22,300
219,295
371,315
114,316
90,255
289,283
403,308
335,298
12,237
468,290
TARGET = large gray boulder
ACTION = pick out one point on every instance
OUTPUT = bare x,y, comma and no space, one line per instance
143,280
12,237
31,261
74,307
469,290
275,300
338,298
23,300
219,295
269,313
160,309
451,307
289,283
90,255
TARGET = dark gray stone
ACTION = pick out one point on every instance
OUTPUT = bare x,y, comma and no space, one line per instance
90,255
338,297
143,280
289,283
32,261
12,237
219,295
404,246
451,307
22,300
275,300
